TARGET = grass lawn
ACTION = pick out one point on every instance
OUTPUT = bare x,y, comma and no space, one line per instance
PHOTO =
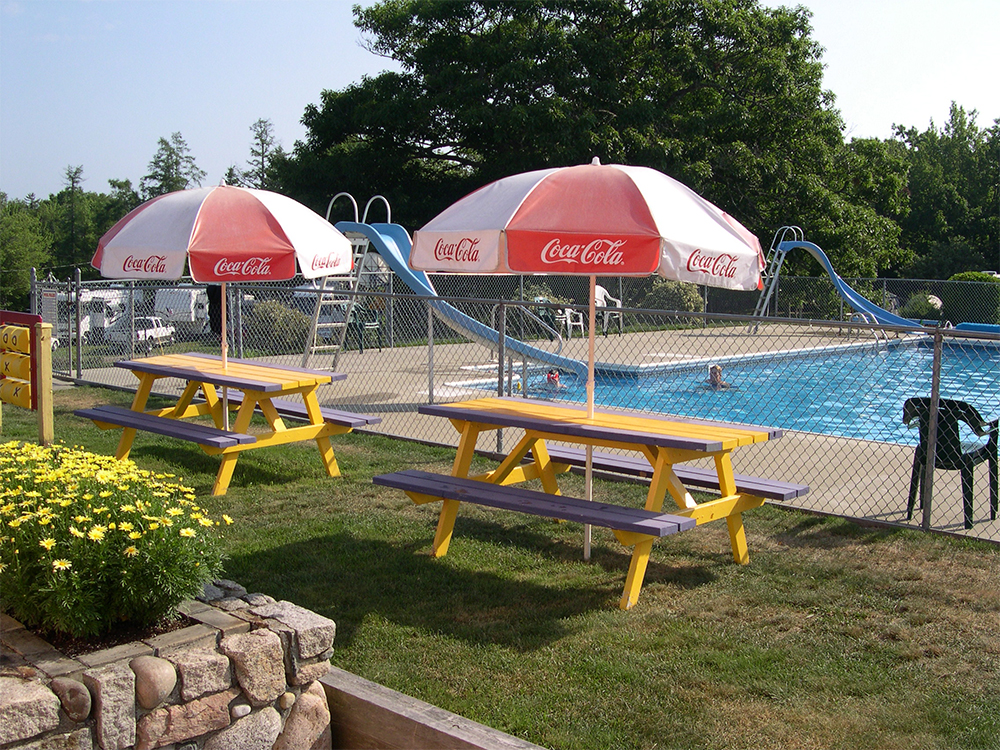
835,636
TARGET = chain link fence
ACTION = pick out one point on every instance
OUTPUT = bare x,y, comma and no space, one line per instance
836,387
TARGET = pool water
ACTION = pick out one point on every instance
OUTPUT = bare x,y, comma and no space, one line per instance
857,393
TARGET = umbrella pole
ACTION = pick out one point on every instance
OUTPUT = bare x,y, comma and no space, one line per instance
225,364
590,410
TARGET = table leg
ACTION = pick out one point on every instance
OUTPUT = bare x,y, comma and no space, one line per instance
146,381
636,573
727,486
322,443
449,508
228,465
665,480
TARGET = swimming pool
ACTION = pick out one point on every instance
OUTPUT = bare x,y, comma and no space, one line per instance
856,392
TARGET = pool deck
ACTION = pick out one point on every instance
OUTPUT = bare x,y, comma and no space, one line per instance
393,383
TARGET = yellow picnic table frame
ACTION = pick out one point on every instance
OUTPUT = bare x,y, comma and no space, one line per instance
664,441
259,383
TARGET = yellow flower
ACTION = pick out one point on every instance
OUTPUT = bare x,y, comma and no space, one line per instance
227,519
131,552
88,496
47,543
76,532
125,526
188,532
135,535
44,520
175,512
205,522
81,519
106,493
127,508
61,565
96,533
154,526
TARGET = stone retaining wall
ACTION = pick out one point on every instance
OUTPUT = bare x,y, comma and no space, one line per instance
245,676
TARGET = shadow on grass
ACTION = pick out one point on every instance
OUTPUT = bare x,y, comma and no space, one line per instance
519,604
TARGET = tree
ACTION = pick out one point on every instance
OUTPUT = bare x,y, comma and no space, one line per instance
722,94
954,179
172,168
264,150
24,244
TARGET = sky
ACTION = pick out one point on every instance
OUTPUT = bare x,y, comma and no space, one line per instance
97,83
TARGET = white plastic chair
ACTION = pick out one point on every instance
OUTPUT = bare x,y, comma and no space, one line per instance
602,299
569,319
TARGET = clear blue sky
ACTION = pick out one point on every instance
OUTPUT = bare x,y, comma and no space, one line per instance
97,83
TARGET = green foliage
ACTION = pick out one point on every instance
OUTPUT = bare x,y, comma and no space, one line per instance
277,329
977,301
920,307
673,295
725,96
954,182
172,168
88,543
24,243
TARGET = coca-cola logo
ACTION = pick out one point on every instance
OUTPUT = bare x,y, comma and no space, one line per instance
601,252
331,260
466,250
152,264
722,265
250,267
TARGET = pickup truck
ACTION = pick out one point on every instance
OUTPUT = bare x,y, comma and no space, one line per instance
149,331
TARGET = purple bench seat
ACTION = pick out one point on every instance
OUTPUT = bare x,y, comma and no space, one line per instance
689,475
194,432
512,497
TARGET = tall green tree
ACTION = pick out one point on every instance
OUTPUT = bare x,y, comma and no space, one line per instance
24,244
724,95
171,168
264,151
954,179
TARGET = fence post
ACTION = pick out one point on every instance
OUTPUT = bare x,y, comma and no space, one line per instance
78,352
430,353
927,485
501,346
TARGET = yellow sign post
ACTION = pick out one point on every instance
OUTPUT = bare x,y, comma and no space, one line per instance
26,367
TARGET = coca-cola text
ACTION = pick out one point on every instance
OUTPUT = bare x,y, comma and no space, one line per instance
466,250
255,266
602,252
152,264
722,265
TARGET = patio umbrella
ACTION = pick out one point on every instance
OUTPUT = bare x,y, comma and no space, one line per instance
591,220
222,234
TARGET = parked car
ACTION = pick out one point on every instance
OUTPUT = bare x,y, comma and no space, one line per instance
148,332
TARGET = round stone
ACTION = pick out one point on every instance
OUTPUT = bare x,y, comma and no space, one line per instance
155,679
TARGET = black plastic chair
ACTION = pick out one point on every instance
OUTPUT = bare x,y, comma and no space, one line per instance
951,454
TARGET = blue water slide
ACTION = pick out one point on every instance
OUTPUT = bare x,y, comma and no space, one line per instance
393,243
851,297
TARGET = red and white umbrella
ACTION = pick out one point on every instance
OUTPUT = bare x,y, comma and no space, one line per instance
222,234
591,220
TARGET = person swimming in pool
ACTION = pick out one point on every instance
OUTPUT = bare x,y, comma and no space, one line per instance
552,380
715,381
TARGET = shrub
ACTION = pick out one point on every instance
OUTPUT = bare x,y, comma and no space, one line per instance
673,295
921,306
977,302
89,543
276,328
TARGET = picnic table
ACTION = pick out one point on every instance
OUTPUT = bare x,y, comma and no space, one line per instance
663,443
250,386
